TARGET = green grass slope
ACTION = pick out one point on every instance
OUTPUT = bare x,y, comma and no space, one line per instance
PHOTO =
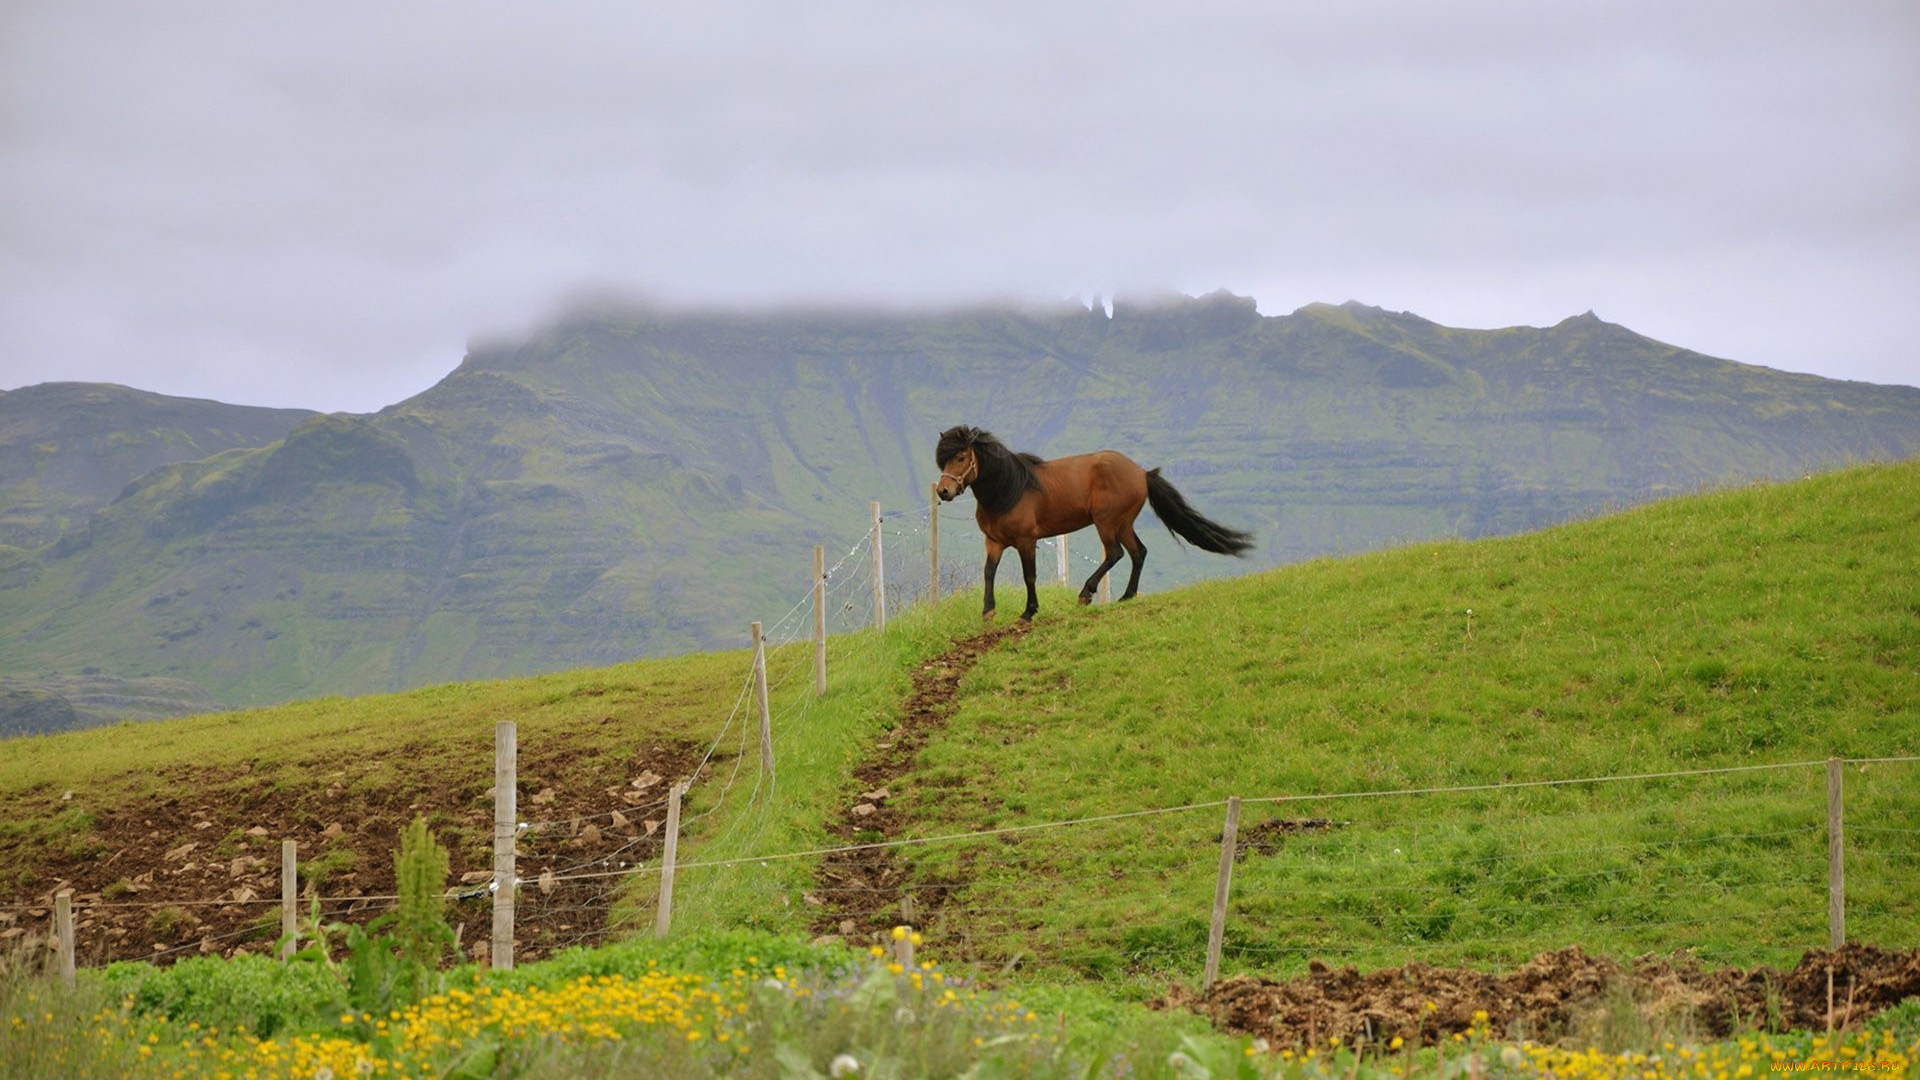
1769,624
1766,625
129,792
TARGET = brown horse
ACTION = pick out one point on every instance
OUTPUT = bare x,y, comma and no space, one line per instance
1021,499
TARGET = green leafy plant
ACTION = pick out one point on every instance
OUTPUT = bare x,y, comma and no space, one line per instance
246,992
397,958
419,923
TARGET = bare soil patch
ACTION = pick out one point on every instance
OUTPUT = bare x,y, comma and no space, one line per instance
197,871
859,892
1268,837
1552,994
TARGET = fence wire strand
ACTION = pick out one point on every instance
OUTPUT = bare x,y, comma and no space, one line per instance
573,904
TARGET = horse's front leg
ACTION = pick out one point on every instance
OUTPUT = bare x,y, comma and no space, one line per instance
994,551
1027,566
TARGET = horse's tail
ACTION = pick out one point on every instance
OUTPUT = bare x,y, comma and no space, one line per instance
1187,523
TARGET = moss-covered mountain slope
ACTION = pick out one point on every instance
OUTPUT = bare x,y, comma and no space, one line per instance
636,481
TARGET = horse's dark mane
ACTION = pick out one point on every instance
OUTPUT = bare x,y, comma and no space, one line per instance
1005,475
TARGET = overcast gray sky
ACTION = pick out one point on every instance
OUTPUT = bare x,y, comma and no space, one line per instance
318,204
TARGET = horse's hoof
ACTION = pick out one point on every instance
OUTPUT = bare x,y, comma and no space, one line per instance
1026,619
1085,599
986,616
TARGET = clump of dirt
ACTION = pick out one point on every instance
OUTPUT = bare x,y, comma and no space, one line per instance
1551,994
859,892
197,871
1268,837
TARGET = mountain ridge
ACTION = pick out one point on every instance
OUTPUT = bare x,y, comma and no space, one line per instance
635,480
69,448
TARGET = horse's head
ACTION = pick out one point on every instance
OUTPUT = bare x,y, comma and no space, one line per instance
958,460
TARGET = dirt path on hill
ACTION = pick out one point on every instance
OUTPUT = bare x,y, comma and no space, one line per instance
142,873
858,893
1557,995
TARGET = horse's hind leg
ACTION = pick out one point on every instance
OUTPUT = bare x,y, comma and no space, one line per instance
1113,552
1137,548
1033,595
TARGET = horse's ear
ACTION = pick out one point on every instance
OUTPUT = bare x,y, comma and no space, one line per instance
957,438
951,442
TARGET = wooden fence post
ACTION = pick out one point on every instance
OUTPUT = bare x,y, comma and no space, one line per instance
1216,932
819,620
289,897
1106,587
903,949
506,813
1836,858
63,932
663,918
1060,554
933,544
879,574
760,699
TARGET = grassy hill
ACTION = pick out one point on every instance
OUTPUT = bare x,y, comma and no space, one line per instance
629,482
1766,625
1772,624
67,449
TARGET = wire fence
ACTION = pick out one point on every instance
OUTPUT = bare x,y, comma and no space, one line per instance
566,896
909,558
1748,880
1065,895
1730,862
1496,887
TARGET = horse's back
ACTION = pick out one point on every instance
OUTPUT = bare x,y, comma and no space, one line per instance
1108,478
1111,466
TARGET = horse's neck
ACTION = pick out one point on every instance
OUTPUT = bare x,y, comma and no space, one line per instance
1005,480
